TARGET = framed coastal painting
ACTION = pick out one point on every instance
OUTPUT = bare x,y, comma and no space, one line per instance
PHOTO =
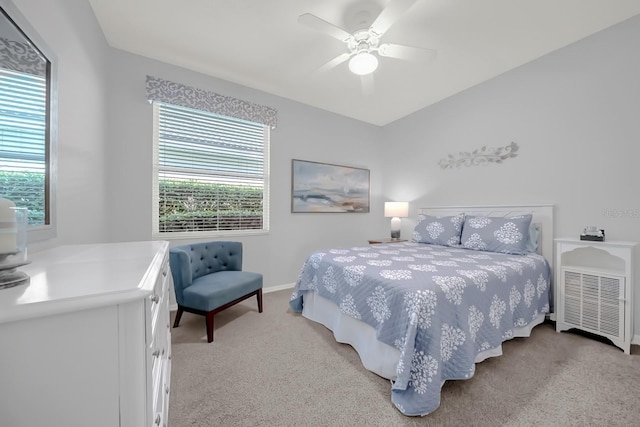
324,187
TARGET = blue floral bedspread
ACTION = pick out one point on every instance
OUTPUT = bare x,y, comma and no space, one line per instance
439,306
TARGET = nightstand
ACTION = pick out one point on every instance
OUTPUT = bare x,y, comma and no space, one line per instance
377,241
594,288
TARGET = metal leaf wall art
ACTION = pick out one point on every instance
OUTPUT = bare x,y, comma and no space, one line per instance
480,156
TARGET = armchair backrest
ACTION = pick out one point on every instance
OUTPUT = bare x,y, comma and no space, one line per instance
188,262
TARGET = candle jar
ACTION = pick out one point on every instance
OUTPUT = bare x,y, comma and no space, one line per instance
13,247
22,222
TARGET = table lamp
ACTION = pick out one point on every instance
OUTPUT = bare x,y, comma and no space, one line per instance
395,211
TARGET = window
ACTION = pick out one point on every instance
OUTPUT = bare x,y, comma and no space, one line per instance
22,142
211,173
27,125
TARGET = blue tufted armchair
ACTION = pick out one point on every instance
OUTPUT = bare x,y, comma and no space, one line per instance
208,278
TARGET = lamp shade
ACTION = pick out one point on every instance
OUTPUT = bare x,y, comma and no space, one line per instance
396,209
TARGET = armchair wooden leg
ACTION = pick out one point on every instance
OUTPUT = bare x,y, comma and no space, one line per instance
210,326
176,322
259,295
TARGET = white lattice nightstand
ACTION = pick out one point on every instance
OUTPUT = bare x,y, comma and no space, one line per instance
594,288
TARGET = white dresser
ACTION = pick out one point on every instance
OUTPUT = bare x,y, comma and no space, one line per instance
87,342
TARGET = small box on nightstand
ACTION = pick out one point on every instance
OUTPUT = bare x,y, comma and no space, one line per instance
593,236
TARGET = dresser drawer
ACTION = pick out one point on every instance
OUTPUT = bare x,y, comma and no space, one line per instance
157,303
160,345
157,383
166,391
161,379
161,404
158,359
158,348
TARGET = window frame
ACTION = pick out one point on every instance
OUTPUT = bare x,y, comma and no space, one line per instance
157,234
48,230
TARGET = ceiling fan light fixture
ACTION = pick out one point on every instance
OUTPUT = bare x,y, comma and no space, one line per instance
363,63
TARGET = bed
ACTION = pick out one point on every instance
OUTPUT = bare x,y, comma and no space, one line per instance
427,310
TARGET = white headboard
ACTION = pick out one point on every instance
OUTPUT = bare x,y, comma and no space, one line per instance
542,215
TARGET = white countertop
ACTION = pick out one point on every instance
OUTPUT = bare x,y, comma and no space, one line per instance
76,277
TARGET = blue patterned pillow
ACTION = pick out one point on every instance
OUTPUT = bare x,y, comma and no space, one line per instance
496,234
534,235
443,230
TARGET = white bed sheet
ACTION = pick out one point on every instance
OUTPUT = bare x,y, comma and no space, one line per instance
376,356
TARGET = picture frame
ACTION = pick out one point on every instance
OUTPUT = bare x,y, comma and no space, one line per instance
327,188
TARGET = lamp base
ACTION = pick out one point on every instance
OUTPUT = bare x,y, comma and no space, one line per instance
395,227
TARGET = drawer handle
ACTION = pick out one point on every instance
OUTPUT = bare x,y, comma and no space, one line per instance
164,273
166,389
156,353
158,419
155,299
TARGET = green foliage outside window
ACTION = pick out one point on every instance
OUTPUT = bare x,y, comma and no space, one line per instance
26,190
182,203
200,206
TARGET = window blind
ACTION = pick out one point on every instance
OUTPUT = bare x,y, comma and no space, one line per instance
211,171
23,149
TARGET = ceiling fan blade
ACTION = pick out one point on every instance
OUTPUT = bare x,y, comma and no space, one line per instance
368,84
333,63
408,53
390,14
320,24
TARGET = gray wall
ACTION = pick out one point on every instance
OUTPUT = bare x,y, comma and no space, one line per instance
575,114
71,31
302,133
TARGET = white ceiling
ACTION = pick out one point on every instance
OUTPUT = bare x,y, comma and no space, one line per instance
260,44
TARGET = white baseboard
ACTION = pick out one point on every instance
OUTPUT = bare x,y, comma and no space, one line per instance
278,288
174,307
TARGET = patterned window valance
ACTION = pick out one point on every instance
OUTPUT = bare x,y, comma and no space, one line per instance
178,94
21,57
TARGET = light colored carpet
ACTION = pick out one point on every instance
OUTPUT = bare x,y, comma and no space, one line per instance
280,369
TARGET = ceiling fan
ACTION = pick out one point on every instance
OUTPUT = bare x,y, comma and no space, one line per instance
364,43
